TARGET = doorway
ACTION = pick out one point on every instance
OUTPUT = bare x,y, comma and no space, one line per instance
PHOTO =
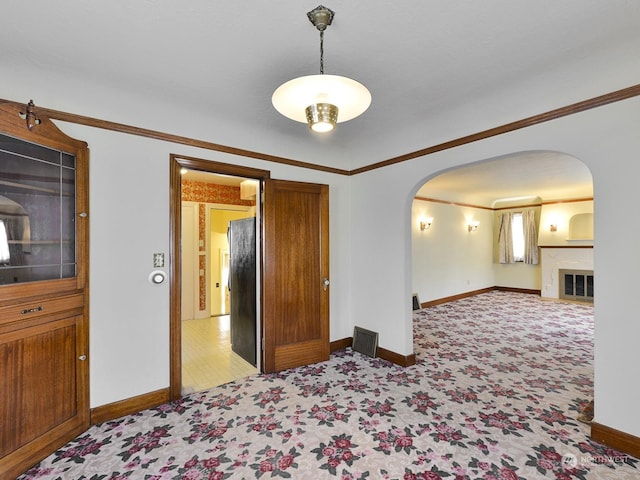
218,339
218,258
293,277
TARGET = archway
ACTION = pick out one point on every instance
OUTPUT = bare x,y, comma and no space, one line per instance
457,254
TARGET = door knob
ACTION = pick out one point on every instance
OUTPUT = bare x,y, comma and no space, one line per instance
325,283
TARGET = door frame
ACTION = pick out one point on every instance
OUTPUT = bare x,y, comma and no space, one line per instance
177,162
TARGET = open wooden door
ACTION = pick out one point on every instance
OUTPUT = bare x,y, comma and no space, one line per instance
295,299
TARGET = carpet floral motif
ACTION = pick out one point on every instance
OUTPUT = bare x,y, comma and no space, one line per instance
499,381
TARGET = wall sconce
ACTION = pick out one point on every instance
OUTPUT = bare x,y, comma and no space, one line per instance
553,227
426,224
473,226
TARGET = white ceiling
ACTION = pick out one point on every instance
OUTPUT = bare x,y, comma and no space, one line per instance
437,70
523,178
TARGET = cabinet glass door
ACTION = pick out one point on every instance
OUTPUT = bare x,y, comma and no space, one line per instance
37,212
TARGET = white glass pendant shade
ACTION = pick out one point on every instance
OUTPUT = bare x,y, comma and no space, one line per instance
292,98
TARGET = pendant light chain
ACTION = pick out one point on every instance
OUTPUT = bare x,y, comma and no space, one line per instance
321,52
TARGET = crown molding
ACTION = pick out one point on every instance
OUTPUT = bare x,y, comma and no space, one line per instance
594,102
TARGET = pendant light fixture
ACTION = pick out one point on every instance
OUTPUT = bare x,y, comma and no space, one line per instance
322,100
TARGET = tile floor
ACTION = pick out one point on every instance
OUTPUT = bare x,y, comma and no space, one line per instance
207,359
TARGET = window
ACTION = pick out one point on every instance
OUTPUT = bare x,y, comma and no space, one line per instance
517,237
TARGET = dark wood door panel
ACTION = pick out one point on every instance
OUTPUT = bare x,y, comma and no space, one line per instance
242,286
296,261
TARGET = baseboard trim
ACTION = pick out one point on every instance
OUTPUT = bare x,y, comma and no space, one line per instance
340,344
519,290
460,296
472,293
625,442
128,406
383,353
398,359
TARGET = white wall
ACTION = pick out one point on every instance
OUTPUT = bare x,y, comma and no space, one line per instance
517,275
560,214
444,264
371,254
129,221
607,140
447,259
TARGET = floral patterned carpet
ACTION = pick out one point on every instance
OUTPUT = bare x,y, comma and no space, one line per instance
495,393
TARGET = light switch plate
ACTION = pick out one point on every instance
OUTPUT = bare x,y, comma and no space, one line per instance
158,260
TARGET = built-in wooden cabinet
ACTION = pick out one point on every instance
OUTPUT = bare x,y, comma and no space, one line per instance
44,357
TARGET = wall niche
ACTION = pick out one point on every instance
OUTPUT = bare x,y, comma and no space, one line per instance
581,227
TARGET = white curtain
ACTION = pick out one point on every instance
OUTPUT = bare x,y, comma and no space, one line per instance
505,239
530,237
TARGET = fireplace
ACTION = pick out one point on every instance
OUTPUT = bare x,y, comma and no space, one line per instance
555,259
576,285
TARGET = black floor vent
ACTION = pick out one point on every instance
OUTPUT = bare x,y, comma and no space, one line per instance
365,341
415,301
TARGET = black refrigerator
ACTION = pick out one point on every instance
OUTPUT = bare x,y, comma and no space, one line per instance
242,287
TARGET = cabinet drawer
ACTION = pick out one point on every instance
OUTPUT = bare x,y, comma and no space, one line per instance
36,308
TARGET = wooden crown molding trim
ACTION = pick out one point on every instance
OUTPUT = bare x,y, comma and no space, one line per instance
570,200
514,207
599,101
588,104
169,137
625,442
517,207
447,202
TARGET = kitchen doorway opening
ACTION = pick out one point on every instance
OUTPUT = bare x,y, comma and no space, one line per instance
219,304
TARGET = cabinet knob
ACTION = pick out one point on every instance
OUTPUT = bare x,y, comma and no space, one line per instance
82,214
82,358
